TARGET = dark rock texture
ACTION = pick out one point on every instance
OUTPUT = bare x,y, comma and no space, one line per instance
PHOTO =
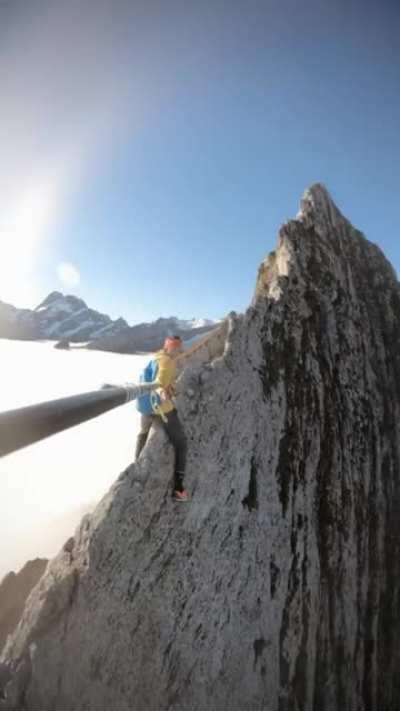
62,345
278,586
14,590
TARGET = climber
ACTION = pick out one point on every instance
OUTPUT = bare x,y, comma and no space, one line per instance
158,409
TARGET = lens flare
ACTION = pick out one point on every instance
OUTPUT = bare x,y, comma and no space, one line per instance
68,274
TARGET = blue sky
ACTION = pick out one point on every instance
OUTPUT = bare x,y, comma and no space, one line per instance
171,140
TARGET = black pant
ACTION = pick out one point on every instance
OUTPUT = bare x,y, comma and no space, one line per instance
176,436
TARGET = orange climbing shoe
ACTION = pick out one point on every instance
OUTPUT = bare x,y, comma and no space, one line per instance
181,495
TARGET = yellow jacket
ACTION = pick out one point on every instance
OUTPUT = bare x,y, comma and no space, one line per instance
166,374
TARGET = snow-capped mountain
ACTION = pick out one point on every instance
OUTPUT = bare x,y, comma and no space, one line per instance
194,323
58,316
68,318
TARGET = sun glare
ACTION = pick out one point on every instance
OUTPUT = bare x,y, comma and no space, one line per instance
22,228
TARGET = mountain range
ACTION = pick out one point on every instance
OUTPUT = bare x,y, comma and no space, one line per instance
68,318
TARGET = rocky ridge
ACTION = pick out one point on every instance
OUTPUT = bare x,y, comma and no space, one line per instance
278,586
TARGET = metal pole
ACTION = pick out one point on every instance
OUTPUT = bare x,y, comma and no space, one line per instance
27,425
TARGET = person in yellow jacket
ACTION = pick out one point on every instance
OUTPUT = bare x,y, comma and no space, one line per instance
166,413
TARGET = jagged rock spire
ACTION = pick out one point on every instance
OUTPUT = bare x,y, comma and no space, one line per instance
317,206
278,586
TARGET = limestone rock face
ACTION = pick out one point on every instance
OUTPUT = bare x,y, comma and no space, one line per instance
278,586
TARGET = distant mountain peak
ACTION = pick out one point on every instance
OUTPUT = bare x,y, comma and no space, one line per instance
65,302
58,316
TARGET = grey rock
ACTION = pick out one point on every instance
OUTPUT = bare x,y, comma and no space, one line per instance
277,587
5,675
14,690
63,345
14,591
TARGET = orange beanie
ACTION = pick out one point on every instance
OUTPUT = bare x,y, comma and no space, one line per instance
172,343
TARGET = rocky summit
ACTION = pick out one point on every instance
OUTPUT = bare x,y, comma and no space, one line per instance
278,586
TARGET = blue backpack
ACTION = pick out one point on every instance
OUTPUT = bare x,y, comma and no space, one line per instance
148,404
